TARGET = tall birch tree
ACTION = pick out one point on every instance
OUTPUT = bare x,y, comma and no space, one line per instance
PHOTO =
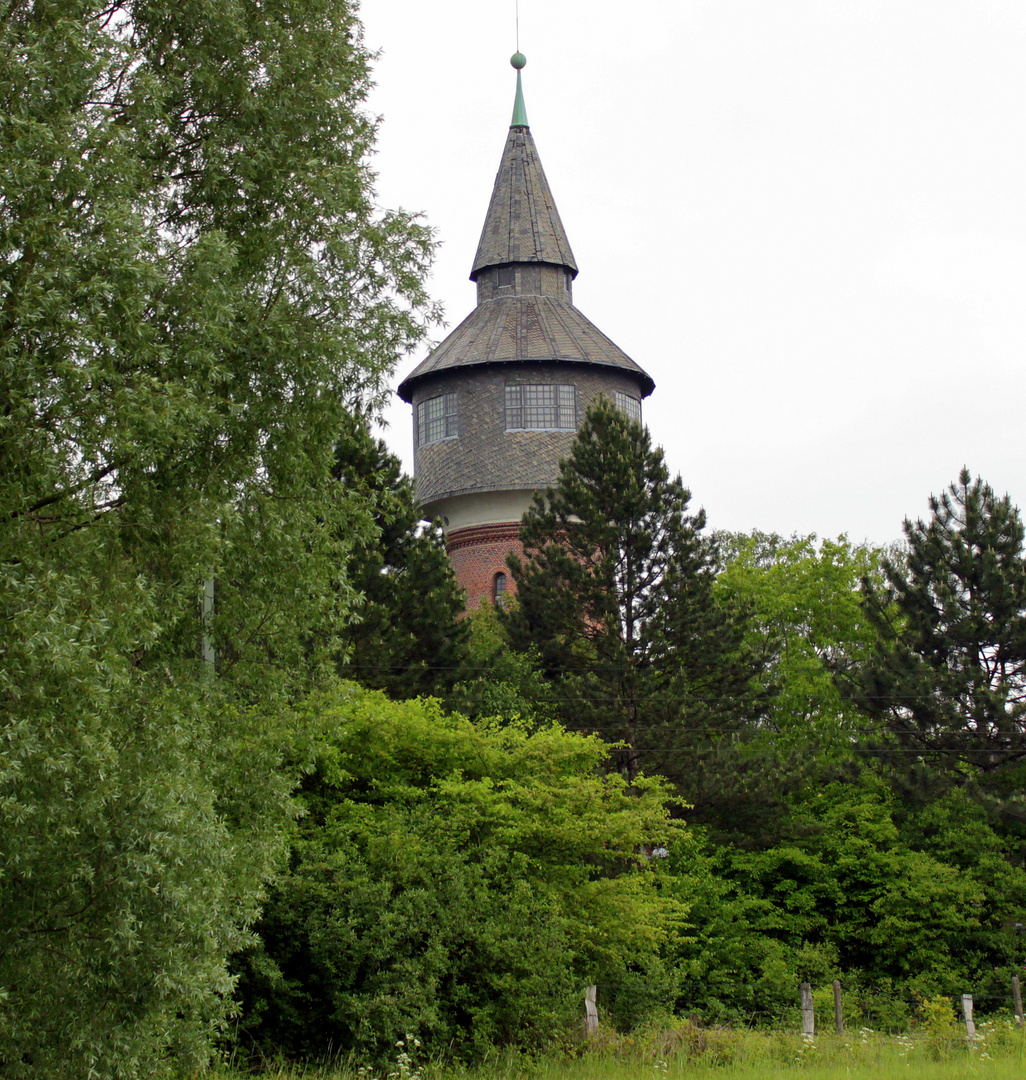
195,285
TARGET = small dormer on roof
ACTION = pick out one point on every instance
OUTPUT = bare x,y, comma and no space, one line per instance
522,224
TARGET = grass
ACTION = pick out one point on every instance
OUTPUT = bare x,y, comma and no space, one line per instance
681,1051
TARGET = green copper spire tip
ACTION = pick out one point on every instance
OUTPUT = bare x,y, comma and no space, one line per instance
518,60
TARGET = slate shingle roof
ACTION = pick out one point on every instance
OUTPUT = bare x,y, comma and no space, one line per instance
525,328
522,227
522,224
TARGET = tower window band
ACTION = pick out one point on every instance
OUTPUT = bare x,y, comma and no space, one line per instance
629,406
436,419
545,406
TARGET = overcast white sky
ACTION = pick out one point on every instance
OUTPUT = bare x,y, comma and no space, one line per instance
806,219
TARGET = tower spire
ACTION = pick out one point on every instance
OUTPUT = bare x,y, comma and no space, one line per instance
522,224
518,60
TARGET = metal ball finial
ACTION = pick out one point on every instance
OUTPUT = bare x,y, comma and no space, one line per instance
518,60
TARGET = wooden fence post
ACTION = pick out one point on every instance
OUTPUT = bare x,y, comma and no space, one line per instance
838,1008
808,1016
1017,1000
590,1010
967,1012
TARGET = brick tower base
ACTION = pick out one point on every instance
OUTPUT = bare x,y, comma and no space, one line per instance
478,553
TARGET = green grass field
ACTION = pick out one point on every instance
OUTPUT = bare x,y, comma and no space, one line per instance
683,1052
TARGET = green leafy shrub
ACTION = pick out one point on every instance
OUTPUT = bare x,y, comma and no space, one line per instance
136,845
460,881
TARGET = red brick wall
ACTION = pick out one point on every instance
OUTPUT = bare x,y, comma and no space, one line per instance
478,553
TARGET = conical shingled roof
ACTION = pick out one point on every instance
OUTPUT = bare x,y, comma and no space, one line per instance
522,224
526,328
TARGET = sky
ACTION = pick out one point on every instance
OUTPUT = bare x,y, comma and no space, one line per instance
805,219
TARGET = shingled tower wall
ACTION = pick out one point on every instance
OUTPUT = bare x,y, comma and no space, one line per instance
497,404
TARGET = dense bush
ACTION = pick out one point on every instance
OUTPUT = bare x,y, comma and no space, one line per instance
899,909
136,843
463,882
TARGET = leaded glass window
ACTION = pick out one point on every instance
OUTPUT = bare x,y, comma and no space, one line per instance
436,419
546,405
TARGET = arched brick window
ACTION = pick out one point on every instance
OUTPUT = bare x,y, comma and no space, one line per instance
499,590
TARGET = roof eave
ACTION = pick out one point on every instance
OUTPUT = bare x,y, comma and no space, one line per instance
406,388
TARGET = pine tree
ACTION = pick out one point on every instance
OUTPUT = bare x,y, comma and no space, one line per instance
947,681
406,636
616,592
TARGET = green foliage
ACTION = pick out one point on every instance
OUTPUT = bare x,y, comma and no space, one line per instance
806,619
406,637
743,954
616,593
947,680
462,882
195,283
194,287
501,682
847,894
841,878
805,600
138,829
891,912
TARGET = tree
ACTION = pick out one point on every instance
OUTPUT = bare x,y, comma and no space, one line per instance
406,636
804,595
947,680
136,849
499,682
616,591
194,289
806,619
846,894
461,882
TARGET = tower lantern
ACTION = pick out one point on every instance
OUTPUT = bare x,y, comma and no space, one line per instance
497,404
